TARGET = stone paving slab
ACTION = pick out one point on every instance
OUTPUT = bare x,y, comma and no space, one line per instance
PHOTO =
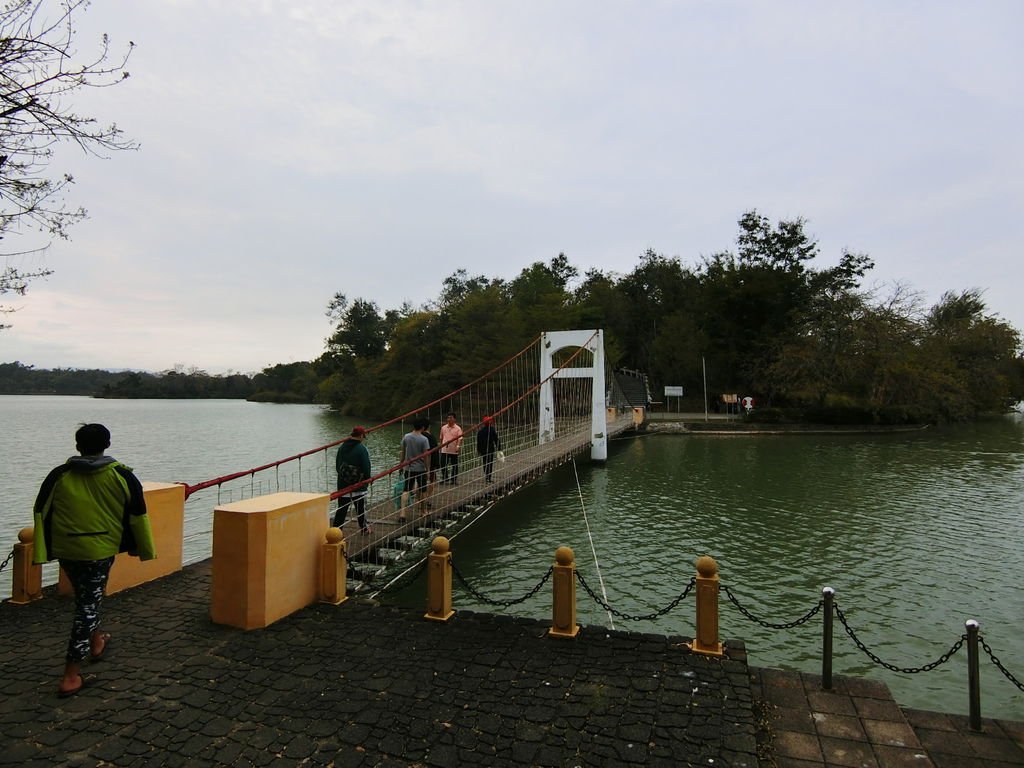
360,685
857,723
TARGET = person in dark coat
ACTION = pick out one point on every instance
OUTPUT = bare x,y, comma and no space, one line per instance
353,465
487,445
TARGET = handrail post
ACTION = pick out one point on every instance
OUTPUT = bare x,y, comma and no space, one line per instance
706,640
563,594
333,567
973,676
439,581
828,598
27,579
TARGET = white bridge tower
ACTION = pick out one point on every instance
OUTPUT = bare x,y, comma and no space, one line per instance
551,342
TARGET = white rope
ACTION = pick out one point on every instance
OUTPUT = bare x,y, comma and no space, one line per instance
597,565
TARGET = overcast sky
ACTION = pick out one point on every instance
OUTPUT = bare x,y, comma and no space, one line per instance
291,150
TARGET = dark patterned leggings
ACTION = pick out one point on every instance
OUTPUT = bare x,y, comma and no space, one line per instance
89,579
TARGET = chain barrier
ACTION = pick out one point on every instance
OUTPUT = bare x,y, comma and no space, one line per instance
999,664
788,625
503,603
892,667
649,617
6,561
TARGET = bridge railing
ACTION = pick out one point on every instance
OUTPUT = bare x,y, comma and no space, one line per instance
509,392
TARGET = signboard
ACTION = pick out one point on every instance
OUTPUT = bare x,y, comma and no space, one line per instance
673,391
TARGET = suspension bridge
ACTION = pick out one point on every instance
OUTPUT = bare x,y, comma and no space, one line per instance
548,403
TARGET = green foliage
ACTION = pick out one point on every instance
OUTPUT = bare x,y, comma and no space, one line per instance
18,379
287,383
808,343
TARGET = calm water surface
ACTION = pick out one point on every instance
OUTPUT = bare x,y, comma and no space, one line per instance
917,533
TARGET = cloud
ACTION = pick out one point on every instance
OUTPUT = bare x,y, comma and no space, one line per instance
294,149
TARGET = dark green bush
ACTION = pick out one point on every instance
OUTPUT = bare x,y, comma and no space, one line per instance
838,414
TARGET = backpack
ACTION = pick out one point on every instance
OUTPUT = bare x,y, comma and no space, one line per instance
348,474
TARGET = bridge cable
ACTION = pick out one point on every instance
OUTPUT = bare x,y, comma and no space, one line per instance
590,536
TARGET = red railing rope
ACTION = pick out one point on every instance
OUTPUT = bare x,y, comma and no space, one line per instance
190,489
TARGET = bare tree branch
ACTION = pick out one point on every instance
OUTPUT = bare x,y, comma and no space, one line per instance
40,70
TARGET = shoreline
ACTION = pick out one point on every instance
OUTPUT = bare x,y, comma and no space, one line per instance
712,428
693,423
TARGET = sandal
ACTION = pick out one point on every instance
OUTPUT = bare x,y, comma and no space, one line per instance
62,694
94,657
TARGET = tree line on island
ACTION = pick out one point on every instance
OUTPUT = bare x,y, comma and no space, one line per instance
811,344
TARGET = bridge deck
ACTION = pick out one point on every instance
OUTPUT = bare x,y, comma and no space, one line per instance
450,507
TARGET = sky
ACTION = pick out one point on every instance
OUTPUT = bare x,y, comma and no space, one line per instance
293,150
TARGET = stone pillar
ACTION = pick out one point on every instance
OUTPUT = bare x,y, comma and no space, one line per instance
266,557
563,589
639,416
439,581
27,579
332,568
706,640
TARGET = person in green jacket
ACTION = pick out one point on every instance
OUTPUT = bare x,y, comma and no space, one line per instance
353,465
88,509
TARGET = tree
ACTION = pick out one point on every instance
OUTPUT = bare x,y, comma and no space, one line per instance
979,351
818,360
757,299
359,329
39,73
657,287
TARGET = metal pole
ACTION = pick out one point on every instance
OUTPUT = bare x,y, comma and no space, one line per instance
828,595
974,683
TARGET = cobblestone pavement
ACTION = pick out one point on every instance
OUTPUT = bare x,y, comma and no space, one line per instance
360,685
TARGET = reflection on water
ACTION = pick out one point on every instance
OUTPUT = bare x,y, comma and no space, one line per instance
916,532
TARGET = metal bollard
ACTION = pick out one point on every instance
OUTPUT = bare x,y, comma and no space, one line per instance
333,567
973,674
563,594
828,597
706,640
439,581
27,579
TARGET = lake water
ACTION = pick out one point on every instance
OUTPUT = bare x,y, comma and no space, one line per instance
916,532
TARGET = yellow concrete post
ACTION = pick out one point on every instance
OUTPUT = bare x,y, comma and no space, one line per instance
439,581
639,416
333,567
27,579
266,557
706,640
563,588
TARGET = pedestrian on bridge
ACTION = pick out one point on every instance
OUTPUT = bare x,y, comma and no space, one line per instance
353,465
451,444
88,509
415,450
487,445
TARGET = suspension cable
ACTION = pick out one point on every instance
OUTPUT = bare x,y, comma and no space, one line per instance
590,536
